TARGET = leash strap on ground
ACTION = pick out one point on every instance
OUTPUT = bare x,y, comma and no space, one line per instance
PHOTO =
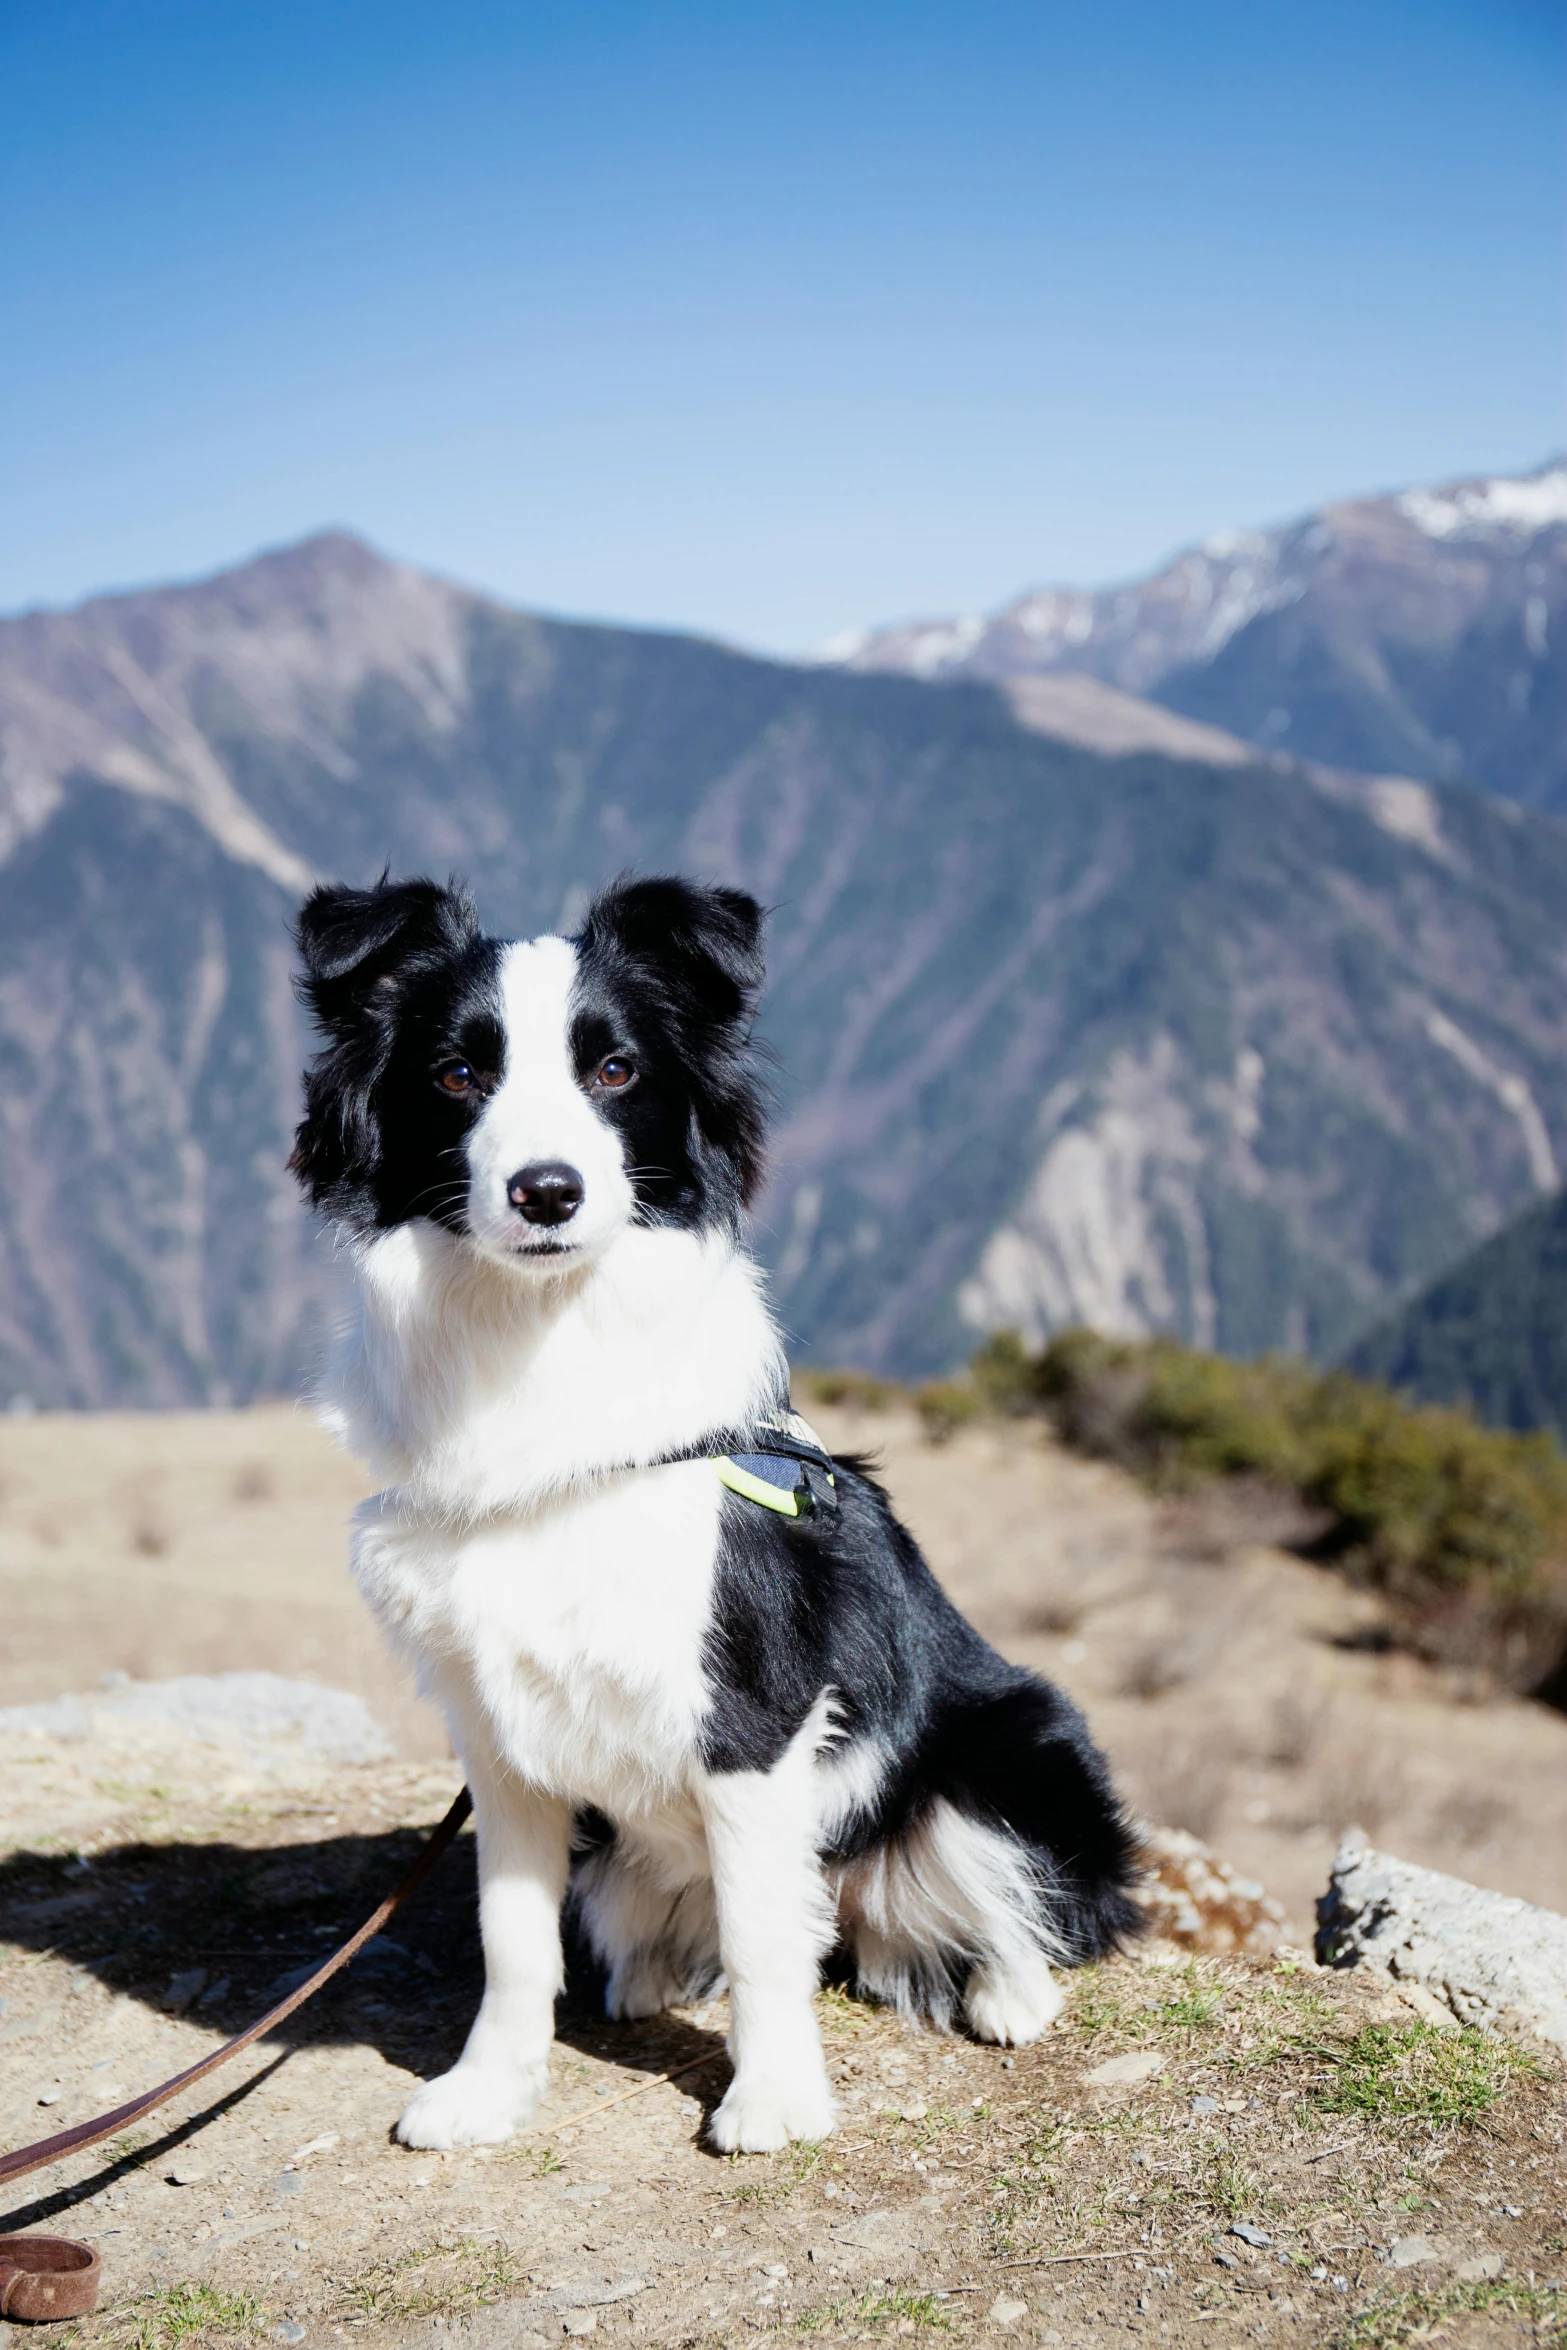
16,2165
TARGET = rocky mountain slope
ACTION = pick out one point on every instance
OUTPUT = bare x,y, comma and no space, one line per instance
1149,1033
1491,1334
1419,633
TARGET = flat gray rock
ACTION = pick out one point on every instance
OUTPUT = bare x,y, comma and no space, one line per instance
590,2293
250,1710
1493,1960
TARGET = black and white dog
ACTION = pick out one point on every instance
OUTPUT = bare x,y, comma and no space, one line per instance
732,1734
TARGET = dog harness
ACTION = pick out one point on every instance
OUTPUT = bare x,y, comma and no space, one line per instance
780,1465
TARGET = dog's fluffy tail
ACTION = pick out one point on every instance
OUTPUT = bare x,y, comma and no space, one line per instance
1012,1853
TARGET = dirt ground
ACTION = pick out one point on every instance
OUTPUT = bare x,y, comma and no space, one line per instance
1240,1692
1392,2183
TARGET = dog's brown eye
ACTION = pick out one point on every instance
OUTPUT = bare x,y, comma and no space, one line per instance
457,1078
614,1073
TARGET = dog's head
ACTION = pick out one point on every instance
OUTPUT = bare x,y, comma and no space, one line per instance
534,1097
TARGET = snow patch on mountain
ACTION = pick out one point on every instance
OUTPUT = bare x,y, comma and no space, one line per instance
1526,504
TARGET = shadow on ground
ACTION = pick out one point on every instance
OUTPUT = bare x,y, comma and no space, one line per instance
217,1931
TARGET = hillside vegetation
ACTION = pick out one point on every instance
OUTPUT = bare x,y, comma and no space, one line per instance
1461,1529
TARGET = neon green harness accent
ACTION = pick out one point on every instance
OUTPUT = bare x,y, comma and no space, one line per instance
741,1481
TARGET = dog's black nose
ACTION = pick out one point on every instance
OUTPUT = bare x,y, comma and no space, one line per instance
548,1193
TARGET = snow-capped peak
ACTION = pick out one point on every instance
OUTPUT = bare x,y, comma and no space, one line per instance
1522,503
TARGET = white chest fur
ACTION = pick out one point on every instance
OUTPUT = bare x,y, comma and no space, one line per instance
554,1600
472,1387
571,1636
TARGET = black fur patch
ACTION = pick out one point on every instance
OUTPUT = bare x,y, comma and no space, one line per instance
847,1602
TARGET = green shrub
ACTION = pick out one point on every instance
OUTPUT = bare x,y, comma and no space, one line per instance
947,1405
1463,1528
857,1390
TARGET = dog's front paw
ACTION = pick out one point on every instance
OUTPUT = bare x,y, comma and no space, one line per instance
758,2116
1012,2006
472,2105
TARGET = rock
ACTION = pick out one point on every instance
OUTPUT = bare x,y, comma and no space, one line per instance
182,1989
594,2292
1250,2233
1483,2265
1126,2072
1425,2004
254,1711
580,2321
1410,2251
1006,2312
1197,1901
1205,2105
1494,1961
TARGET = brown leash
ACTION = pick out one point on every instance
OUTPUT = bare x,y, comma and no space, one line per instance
52,2276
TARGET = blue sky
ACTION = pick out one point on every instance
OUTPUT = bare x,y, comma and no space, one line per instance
761,320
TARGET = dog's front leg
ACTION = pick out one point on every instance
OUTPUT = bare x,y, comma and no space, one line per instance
492,2089
774,1922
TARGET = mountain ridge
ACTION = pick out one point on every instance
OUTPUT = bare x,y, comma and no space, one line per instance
1225,1044
1409,631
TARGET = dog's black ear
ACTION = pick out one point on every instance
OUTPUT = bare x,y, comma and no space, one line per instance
698,951
359,949
705,941
354,940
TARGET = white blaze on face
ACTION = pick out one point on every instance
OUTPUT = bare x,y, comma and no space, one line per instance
540,1114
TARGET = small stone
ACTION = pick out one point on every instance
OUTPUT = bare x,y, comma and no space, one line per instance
1410,2251
182,1989
1126,2072
185,2174
1009,2064
1205,2105
289,2331
776,2268
50,2097
1006,2312
1428,2007
1250,2233
1226,2260
1483,2265
1509,2210
580,2321
915,2112
289,2182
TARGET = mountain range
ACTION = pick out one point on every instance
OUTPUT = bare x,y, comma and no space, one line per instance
1419,633
1489,1335
1081,1007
